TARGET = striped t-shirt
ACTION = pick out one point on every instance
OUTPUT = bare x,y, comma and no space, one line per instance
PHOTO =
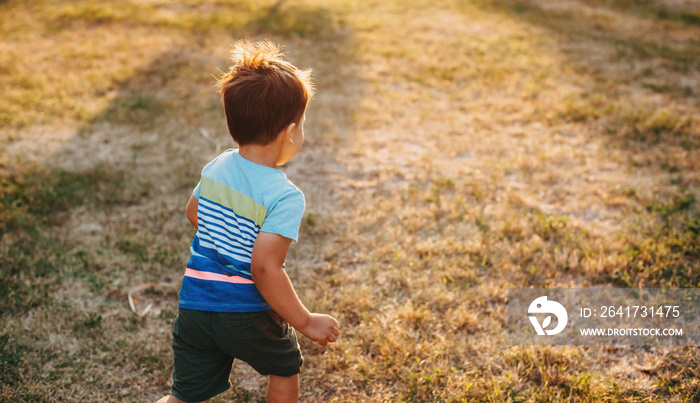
237,199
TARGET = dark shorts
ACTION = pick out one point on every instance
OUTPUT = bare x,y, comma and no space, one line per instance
206,343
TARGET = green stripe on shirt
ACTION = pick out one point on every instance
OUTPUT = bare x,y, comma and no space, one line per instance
233,199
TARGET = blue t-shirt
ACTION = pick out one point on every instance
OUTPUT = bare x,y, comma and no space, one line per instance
237,199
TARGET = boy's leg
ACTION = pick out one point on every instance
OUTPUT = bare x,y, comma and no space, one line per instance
282,389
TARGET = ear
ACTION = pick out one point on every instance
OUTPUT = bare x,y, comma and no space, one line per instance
288,132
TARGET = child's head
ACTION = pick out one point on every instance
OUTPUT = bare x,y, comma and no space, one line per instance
262,93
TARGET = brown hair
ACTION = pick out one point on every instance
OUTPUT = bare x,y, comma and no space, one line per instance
262,93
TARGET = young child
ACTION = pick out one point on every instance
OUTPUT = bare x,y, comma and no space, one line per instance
236,301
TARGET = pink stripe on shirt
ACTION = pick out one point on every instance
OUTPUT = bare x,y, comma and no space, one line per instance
205,275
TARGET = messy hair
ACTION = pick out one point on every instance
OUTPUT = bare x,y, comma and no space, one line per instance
262,93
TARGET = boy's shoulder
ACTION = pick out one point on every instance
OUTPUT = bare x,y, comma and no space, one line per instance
218,162
257,181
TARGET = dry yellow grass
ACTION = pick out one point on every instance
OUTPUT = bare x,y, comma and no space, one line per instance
454,149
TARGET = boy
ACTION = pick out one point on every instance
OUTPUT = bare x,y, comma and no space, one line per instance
236,301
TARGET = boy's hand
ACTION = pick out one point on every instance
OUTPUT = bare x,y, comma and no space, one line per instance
321,329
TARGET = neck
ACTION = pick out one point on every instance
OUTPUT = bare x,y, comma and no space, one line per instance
266,155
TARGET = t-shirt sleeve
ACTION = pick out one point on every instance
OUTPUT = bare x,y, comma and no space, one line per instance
196,190
211,165
284,217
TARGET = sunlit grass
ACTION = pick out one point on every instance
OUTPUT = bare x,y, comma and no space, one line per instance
454,149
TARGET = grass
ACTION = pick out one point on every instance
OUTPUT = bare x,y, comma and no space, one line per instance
454,150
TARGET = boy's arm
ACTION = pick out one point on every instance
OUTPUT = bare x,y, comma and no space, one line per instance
191,210
269,252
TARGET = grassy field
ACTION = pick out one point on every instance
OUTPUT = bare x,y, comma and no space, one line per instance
454,149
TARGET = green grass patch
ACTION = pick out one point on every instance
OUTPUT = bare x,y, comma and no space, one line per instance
297,20
134,109
11,352
690,17
652,9
92,13
655,126
559,369
35,195
682,59
587,107
675,90
33,198
29,272
667,252
632,122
